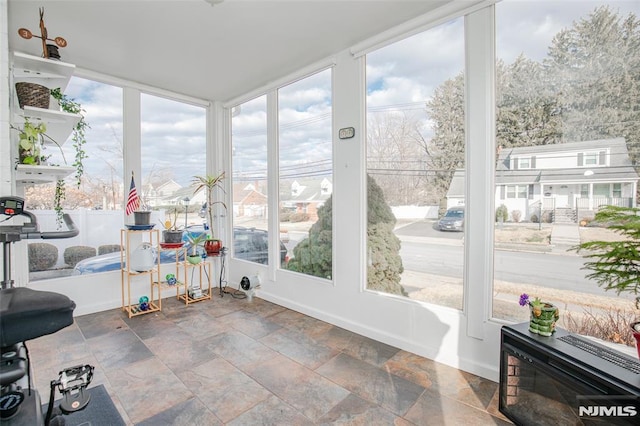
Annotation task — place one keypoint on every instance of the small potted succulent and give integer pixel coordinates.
(195, 240)
(543, 316)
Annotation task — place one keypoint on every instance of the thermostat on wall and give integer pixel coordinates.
(346, 133)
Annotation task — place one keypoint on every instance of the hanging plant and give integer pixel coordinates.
(58, 198)
(79, 131)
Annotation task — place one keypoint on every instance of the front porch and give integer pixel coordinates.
(583, 208)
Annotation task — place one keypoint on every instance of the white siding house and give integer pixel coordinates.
(560, 182)
(565, 181)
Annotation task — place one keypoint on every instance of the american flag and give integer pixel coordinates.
(133, 202)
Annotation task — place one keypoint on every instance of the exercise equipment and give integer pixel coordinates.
(26, 314)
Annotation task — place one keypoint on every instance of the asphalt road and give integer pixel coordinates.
(543, 269)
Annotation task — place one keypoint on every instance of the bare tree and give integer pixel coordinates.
(394, 156)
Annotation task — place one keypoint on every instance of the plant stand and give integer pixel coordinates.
(135, 307)
(193, 291)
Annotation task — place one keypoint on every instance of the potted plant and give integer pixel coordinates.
(30, 152)
(137, 205)
(543, 315)
(210, 183)
(30, 143)
(172, 233)
(615, 265)
(196, 240)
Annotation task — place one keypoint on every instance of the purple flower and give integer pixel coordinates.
(524, 299)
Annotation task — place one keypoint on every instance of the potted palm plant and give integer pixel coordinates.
(615, 265)
(210, 183)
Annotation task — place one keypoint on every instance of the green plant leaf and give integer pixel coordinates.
(26, 144)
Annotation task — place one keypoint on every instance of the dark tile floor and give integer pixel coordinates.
(239, 362)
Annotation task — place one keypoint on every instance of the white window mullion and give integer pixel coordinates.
(273, 182)
(480, 165)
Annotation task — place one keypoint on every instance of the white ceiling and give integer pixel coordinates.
(209, 52)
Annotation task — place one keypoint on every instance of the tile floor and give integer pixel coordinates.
(231, 361)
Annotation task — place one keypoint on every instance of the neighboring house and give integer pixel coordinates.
(306, 196)
(184, 196)
(455, 194)
(559, 182)
(163, 193)
(249, 200)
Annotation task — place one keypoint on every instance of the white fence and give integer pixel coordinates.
(97, 227)
(102, 227)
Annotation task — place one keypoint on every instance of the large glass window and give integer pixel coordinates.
(250, 196)
(306, 183)
(415, 166)
(94, 200)
(564, 85)
(173, 152)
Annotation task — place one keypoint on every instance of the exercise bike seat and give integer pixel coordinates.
(26, 314)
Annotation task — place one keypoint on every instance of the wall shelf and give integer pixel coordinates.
(59, 123)
(47, 72)
(27, 174)
(52, 74)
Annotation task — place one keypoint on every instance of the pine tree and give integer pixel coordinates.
(313, 254)
(588, 88)
(527, 109)
(383, 247)
(446, 147)
(594, 67)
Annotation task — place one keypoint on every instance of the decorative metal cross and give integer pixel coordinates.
(26, 34)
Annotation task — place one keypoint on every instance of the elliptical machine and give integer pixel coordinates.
(26, 314)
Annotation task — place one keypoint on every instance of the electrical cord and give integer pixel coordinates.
(235, 293)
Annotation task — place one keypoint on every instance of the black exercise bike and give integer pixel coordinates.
(26, 314)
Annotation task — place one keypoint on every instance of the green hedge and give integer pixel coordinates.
(75, 254)
(42, 256)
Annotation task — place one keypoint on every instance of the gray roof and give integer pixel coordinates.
(311, 191)
(619, 169)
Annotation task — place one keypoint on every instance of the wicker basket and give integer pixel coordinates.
(31, 94)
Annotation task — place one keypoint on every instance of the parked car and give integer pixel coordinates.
(453, 220)
(248, 244)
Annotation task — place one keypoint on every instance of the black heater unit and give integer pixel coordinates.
(566, 379)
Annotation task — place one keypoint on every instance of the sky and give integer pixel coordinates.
(400, 77)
